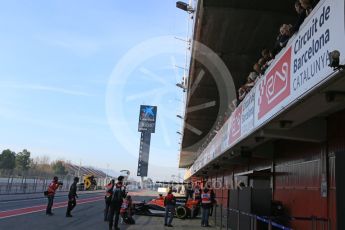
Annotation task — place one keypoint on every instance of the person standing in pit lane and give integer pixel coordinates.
(119, 193)
(169, 203)
(207, 201)
(53, 186)
(108, 194)
(72, 197)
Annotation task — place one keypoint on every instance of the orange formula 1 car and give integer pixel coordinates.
(184, 207)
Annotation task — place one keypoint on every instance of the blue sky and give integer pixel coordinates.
(58, 67)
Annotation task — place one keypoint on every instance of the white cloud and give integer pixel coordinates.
(19, 115)
(80, 45)
(38, 87)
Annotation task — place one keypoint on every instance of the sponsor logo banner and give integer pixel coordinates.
(225, 136)
(235, 124)
(247, 122)
(312, 45)
(275, 85)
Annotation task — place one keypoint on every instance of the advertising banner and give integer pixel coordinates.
(274, 88)
(210, 152)
(322, 34)
(225, 136)
(235, 125)
(247, 122)
(303, 64)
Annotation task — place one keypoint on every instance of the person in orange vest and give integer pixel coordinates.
(53, 186)
(207, 201)
(108, 193)
(169, 203)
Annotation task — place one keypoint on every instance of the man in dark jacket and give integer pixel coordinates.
(72, 195)
(119, 193)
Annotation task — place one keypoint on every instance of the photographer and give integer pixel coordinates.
(107, 198)
(53, 186)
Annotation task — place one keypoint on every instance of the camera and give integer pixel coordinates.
(60, 183)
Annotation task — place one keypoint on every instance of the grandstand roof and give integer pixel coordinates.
(75, 170)
(237, 31)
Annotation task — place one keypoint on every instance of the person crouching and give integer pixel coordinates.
(126, 211)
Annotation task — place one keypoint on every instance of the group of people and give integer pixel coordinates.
(117, 204)
(72, 195)
(205, 196)
(303, 9)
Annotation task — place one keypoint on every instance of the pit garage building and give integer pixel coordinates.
(286, 140)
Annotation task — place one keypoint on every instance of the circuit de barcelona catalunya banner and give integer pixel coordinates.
(304, 63)
(298, 69)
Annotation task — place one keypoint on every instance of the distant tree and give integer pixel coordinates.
(42, 160)
(23, 161)
(59, 168)
(7, 160)
(40, 166)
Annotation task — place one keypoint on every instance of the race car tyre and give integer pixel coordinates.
(181, 212)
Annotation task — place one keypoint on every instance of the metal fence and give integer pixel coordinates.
(232, 219)
(315, 223)
(22, 185)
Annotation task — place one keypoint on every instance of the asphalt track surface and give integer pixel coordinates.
(30, 213)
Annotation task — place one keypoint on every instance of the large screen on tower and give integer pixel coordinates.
(147, 118)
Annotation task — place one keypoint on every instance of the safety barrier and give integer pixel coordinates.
(25, 185)
(254, 219)
(22, 185)
(314, 222)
